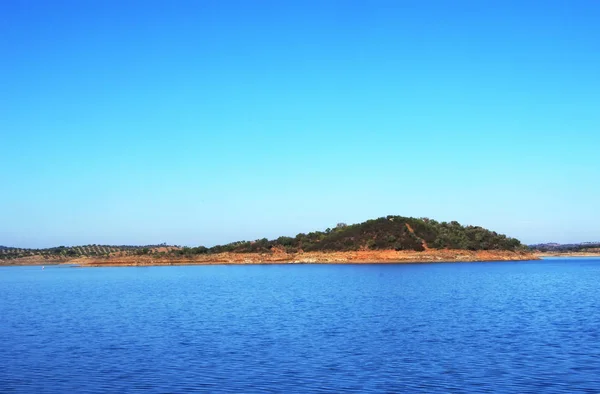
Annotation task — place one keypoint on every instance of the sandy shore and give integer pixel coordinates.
(567, 254)
(357, 257)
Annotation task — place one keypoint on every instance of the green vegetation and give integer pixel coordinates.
(583, 247)
(61, 252)
(391, 232)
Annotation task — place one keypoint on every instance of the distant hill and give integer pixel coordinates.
(385, 233)
(59, 252)
(575, 247)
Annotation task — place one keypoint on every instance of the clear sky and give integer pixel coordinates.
(203, 122)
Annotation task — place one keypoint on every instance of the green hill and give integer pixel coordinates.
(386, 233)
(391, 232)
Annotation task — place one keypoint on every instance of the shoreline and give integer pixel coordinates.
(568, 254)
(350, 257)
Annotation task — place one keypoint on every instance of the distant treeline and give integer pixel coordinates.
(579, 247)
(386, 233)
(74, 251)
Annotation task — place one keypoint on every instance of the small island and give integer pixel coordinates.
(391, 239)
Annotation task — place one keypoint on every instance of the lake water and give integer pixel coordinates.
(471, 327)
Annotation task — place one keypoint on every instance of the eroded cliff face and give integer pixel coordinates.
(355, 257)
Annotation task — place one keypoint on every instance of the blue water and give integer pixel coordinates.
(475, 327)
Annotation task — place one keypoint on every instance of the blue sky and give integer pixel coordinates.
(203, 122)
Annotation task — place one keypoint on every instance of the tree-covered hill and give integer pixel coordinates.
(386, 233)
(391, 232)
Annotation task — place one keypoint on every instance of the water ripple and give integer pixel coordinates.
(461, 328)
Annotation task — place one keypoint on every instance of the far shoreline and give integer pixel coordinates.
(350, 257)
(565, 255)
(187, 263)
